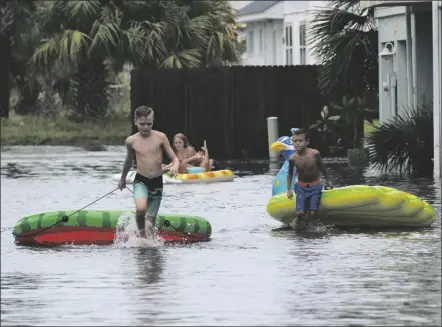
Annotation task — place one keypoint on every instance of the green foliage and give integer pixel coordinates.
(327, 124)
(345, 121)
(344, 38)
(76, 48)
(147, 33)
(352, 113)
(404, 143)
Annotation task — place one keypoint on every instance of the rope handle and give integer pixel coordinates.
(65, 218)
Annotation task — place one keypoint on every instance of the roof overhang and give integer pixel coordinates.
(388, 3)
(275, 12)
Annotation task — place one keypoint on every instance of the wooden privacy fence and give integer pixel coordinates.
(229, 106)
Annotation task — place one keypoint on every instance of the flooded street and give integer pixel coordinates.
(248, 274)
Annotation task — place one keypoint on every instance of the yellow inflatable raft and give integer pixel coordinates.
(351, 206)
(361, 206)
(204, 177)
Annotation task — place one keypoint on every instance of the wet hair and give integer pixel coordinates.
(301, 131)
(183, 138)
(143, 111)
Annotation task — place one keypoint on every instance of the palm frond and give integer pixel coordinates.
(105, 39)
(82, 13)
(72, 43)
(184, 59)
(404, 143)
(344, 38)
(50, 15)
(64, 48)
(46, 54)
(132, 46)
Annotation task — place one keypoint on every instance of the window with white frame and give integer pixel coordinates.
(289, 44)
(302, 44)
(260, 41)
(250, 42)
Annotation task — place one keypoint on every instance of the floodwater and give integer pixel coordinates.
(248, 274)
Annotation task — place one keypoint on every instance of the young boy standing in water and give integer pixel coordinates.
(308, 188)
(148, 146)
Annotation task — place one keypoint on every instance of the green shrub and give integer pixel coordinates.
(404, 143)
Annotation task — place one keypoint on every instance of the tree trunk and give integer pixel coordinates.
(91, 98)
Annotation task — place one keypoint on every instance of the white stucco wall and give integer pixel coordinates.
(416, 84)
(426, 64)
(264, 43)
(391, 29)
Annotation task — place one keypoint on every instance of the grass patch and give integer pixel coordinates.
(368, 128)
(33, 130)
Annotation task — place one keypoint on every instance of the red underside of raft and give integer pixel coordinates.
(94, 236)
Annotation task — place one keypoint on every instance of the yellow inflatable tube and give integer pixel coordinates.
(361, 206)
(204, 177)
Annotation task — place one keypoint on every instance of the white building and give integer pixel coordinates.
(410, 56)
(276, 32)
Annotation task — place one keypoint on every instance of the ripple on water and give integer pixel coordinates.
(250, 273)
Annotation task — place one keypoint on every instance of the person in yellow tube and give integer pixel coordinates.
(308, 187)
(191, 162)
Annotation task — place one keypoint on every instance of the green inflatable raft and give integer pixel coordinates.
(100, 226)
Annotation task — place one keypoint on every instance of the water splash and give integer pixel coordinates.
(126, 234)
(304, 226)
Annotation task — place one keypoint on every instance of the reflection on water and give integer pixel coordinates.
(150, 264)
(252, 272)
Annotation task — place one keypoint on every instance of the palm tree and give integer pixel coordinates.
(20, 36)
(344, 39)
(14, 20)
(211, 30)
(24, 80)
(186, 34)
(94, 37)
(83, 37)
(6, 30)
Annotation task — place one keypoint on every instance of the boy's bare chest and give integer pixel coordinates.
(305, 163)
(147, 146)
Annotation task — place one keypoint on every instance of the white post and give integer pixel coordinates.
(413, 59)
(272, 131)
(437, 101)
(410, 76)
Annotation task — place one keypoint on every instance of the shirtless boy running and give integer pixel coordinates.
(308, 188)
(148, 146)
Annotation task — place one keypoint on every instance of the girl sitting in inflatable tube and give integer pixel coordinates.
(184, 151)
(190, 161)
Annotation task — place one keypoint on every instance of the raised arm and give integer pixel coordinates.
(205, 161)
